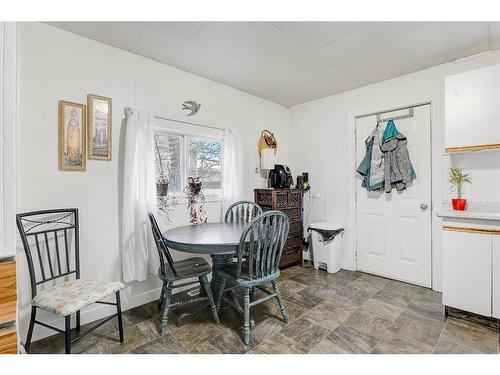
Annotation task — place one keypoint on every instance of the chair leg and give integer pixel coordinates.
(30, 329)
(162, 296)
(119, 316)
(280, 302)
(78, 321)
(252, 293)
(166, 306)
(246, 309)
(222, 286)
(206, 287)
(67, 334)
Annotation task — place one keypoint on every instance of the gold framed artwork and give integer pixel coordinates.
(98, 127)
(72, 136)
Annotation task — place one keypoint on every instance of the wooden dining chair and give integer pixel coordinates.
(51, 243)
(258, 258)
(171, 272)
(242, 212)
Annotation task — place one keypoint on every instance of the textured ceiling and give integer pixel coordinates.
(295, 62)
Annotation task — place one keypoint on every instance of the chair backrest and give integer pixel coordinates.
(242, 212)
(161, 246)
(47, 238)
(261, 245)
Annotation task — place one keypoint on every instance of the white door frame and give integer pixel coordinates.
(437, 137)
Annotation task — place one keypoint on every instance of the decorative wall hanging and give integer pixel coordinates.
(72, 136)
(99, 115)
(196, 200)
(191, 106)
(267, 149)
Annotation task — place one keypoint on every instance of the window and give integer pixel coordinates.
(179, 156)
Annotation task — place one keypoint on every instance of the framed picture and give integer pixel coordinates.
(99, 127)
(72, 136)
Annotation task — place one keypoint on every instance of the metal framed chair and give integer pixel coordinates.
(51, 243)
(258, 257)
(242, 211)
(171, 272)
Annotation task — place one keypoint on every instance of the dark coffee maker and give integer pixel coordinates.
(280, 177)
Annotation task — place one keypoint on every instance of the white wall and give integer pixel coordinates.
(322, 138)
(55, 65)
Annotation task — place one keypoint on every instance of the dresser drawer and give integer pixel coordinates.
(264, 197)
(290, 256)
(295, 241)
(8, 341)
(294, 214)
(8, 295)
(295, 229)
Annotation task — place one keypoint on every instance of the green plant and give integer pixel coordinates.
(457, 178)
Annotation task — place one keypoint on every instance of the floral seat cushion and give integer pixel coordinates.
(70, 296)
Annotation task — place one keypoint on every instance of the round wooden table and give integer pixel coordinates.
(219, 240)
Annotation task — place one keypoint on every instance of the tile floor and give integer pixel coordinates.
(347, 312)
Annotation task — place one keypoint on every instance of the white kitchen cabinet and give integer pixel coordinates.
(467, 271)
(472, 110)
(496, 277)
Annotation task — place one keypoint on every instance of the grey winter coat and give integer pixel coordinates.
(397, 166)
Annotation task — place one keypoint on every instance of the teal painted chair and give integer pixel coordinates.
(242, 212)
(171, 272)
(258, 258)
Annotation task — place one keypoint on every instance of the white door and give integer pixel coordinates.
(393, 231)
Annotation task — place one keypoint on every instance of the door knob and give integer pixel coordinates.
(423, 206)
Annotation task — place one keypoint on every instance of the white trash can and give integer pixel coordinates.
(326, 254)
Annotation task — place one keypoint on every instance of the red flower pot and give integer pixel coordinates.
(459, 204)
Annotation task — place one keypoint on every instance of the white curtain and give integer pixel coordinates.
(138, 252)
(233, 168)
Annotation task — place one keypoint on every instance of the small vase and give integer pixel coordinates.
(459, 204)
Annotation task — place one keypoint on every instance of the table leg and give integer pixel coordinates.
(218, 261)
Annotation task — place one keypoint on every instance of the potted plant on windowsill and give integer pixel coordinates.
(457, 178)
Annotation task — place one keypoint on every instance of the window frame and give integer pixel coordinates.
(212, 195)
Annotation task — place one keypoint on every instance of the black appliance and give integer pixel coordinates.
(280, 177)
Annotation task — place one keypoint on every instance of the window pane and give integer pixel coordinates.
(168, 148)
(204, 161)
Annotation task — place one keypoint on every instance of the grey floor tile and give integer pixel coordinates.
(470, 334)
(386, 310)
(279, 344)
(355, 295)
(161, 345)
(391, 298)
(369, 323)
(192, 334)
(345, 312)
(445, 346)
(305, 332)
(346, 340)
(231, 342)
(133, 316)
(133, 338)
(330, 313)
(392, 343)
(420, 330)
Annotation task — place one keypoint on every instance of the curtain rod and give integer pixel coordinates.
(188, 123)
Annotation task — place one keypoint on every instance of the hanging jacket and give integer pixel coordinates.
(377, 165)
(364, 168)
(398, 169)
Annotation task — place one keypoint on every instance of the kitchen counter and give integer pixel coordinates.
(475, 211)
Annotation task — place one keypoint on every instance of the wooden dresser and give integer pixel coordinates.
(288, 201)
(8, 302)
